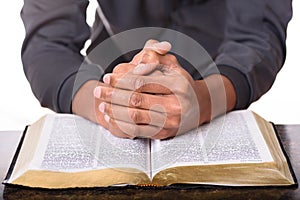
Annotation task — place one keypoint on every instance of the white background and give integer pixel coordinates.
(18, 106)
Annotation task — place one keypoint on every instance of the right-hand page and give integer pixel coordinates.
(232, 138)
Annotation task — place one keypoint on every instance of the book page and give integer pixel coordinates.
(28, 148)
(70, 143)
(232, 138)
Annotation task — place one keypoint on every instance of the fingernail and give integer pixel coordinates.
(97, 92)
(106, 78)
(102, 107)
(106, 118)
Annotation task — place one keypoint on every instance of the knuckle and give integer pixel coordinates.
(118, 68)
(176, 109)
(137, 58)
(136, 100)
(134, 116)
(106, 93)
(150, 56)
(138, 83)
(174, 122)
(171, 58)
(184, 87)
(122, 68)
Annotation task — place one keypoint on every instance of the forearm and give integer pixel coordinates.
(55, 33)
(253, 49)
(51, 79)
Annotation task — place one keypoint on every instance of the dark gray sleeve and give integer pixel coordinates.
(254, 47)
(56, 31)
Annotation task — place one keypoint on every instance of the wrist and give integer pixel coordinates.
(86, 105)
(216, 96)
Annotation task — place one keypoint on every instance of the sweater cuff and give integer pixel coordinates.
(240, 84)
(74, 82)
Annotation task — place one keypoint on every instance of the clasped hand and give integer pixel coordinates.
(151, 97)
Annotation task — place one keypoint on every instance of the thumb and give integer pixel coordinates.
(159, 47)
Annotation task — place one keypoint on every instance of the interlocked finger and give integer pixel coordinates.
(133, 115)
(132, 130)
(158, 84)
(158, 103)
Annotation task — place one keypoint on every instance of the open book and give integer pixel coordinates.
(66, 151)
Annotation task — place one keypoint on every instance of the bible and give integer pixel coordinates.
(67, 151)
